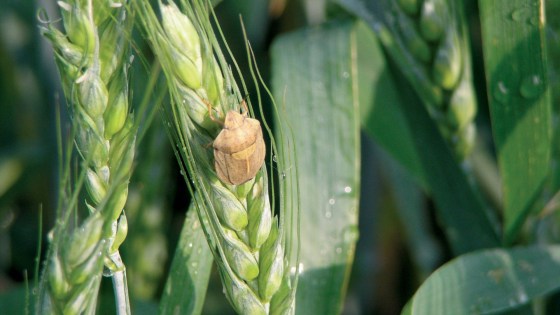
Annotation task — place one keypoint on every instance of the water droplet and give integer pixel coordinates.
(190, 245)
(332, 201)
(350, 234)
(328, 214)
(521, 15)
(299, 270)
(345, 74)
(274, 158)
(194, 264)
(501, 92)
(532, 86)
(522, 297)
(283, 175)
(107, 272)
(534, 21)
(347, 189)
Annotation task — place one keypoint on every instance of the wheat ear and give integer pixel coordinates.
(92, 58)
(237, 218)
(434, 33)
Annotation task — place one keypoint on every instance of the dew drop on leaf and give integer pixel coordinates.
(107, 272)
(522, 297)
(299, 270)
(534, 21)
(521, 15)
(531, 87)
(501, 92)
(350, 234)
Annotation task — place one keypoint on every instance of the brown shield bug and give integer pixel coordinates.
(239, 148)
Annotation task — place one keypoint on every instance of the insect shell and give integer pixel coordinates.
(239, 149)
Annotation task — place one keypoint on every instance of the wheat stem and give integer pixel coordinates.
(120, 285)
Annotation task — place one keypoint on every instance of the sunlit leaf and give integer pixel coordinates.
(488, 281)
(315, 77)
(517, 82)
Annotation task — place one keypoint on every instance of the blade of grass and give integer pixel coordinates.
(488, 281)
(515, 62)
(186, 285)
(315, 77)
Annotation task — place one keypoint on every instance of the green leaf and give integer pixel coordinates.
(488, 281)
(517, 81)
(186, 285)
(314, 75)
(553, 32)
